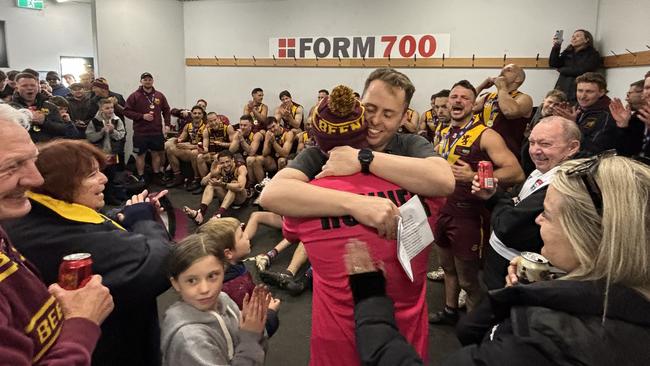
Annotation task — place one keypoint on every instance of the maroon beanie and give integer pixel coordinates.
(339, 120)
(100, 84)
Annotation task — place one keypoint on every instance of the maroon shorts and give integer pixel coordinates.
(464, 236)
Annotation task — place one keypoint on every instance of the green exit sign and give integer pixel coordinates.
(30, 4)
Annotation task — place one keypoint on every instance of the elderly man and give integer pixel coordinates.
(507, 110)
(38, 327)
(552, 141)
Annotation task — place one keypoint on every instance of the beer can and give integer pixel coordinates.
(533, 267)
(75, 270)
(485, 175)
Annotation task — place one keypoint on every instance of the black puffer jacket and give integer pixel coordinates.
(548, 323)
(571, 64)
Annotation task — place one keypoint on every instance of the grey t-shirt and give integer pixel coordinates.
(310, 161)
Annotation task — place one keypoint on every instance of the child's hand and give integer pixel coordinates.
(253, 315)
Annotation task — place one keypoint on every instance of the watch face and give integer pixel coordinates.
(365, 155)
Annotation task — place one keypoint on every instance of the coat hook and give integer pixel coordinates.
(504, 59)
(616, 56)
(537, 60)
(473, 57)
(443, 60)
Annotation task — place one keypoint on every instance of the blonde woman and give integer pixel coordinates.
(595, 226)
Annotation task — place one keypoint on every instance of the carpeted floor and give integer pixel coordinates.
(290, 345)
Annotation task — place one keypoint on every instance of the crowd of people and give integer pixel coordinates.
(571, 182)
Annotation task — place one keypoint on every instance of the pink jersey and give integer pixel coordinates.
(332, 335)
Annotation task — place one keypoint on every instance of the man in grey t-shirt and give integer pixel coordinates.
(408, 161)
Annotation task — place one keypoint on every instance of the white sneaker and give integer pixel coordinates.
(462, 299)
(262, 262)
(436, 275)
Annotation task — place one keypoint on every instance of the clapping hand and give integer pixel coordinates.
(621, 114)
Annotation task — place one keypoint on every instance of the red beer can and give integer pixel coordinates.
(75, 270)
(485, 175)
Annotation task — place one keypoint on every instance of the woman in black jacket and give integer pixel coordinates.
(579, 57)
(596, 227)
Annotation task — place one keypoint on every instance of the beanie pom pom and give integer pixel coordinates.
(342, 101)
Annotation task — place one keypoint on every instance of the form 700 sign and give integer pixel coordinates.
(378, 46)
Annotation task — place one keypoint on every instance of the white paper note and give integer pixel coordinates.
(413, 233)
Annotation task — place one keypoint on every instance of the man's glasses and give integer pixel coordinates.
(587, 171)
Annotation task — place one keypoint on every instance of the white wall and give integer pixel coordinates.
(485, 28)
(138, 36)
(37, 38)
(623, 24)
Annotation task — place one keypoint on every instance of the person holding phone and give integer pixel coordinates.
(579, 57)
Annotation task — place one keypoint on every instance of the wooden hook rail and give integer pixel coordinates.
(629, 59)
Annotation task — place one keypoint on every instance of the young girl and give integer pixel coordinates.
(207, 327)
(237, 283)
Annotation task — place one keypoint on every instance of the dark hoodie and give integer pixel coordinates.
(598, 128)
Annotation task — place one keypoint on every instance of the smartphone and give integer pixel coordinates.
(558, 35)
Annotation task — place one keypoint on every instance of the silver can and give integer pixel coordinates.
(533, 267)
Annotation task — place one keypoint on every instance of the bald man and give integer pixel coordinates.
(507, 111)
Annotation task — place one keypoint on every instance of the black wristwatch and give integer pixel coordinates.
(365, 158)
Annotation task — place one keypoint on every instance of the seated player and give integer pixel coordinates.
(248, 145)
(290, 113)
(278, 144)
(184, 116)
(227, 180)
(186, 148)
(256, 109)
(217, 136)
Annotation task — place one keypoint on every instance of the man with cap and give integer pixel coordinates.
(148, 108)
(58, 89)
(100, 91)
(339, 120)
(393, 157)
(79, 106)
